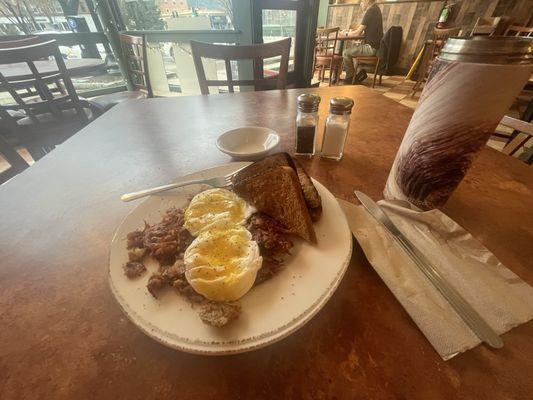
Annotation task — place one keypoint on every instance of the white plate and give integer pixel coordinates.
(270, 311)
(248, 142)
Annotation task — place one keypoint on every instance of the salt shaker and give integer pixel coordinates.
(336, 128)
(306, 124)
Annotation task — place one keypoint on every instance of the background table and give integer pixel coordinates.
(63, 336)
(75, 67)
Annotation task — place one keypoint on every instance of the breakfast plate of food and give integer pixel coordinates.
(226, 270)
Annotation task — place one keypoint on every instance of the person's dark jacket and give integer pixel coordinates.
(389, 49)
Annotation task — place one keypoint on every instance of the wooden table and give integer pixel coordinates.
(63, 336)
(75, 67)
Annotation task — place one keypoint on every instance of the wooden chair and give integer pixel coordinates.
(491, 26)
(485, 26)
(326, 56)
(440, 36)
(369, 60)
(134, 53)
(523, 132)
(433, 48)
(519, 31)
(51, 118)
(255, 52)
(386, 56)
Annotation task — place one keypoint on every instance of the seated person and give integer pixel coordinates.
(372, 26)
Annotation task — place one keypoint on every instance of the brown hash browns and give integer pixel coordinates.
(167, 240)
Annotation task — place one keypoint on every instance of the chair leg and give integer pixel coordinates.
(415, 88)
(18, 164)
(355, 73)
(330, 71)
(375, 74)
(380, 76)
(341, 67)
(36, 152)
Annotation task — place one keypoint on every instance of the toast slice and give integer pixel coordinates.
(272, 161)
(311, 196)
(277, 192)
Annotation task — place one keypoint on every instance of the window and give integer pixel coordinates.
(279, 24)
(170, 58)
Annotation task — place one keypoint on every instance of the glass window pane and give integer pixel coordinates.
(279, 24)
(50, 18)
(171, 67)
(176, 14)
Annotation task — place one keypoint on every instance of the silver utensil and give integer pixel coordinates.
(470, 316)
(218, 182)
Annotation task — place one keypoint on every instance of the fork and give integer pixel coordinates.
(218, 182)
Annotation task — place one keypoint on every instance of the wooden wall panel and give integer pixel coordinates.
(417, 18)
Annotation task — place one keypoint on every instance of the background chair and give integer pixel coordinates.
(255, 52)
(386, 56)
(11, 44)
(50, 117)
(523, 132)
(362, 61)
(134, 53)
(326, 56)
(440, 36)
(491, 26)
(519, 31)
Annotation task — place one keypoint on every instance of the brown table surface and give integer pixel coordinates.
(63, 336)
(75, 67)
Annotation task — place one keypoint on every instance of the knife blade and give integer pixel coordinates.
(467, 313)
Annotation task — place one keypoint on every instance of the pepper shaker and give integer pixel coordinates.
(306, 124)
(336, 128)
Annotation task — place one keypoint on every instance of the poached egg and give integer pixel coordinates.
(214, 206)
(222, 262)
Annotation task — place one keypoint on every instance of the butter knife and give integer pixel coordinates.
(470, 316)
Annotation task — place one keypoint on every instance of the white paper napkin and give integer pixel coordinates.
(498, 295)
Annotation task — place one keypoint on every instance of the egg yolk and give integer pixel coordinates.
(222, 252)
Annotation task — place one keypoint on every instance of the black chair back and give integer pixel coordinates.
(49, 109)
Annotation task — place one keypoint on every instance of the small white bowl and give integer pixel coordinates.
(248, 142)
